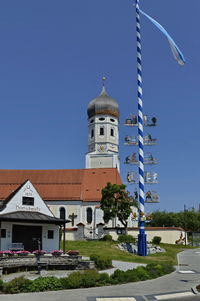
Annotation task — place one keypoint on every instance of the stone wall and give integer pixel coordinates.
(64, 262)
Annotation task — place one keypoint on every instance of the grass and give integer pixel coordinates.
(105, 248)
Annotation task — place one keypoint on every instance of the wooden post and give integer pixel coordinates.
(64, 238)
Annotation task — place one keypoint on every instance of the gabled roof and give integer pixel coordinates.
(63, 184)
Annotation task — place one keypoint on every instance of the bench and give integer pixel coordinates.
(16, 246)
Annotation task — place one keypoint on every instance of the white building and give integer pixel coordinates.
(103, 132)
(26, 221)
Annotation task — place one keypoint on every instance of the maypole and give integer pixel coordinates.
(142, 242)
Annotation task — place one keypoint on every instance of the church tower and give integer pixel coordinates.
(103, 133)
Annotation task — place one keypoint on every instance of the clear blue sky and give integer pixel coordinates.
(52, 57)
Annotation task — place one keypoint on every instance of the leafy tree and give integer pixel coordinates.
(188, 220)
(116, 202)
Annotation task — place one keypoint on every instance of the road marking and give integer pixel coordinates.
(176, 295)
(187, 272)
(116, 299)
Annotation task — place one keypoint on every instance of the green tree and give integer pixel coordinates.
(116, 202)
(188, 220)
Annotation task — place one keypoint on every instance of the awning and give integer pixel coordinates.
(32, 217)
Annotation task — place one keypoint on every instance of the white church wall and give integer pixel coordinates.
(70, 208)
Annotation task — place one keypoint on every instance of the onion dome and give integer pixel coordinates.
(103, 105)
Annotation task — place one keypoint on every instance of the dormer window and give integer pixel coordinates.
(101, 132)
(29, 201)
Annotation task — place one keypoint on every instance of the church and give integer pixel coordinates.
(40, 200)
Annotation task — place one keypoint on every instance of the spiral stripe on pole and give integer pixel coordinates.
(142, 248)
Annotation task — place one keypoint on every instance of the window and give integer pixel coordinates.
(3, 233)
(112, 120)
(101, 119)
(62, 213)
(112, 132)
(92, 133)
(89, 215)
(50, 234)
(101, 132)
(91, 121)
(26, 200)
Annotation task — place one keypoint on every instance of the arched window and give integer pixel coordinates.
(62, 213)
(112, 132)
(101, 132)
(92, 133)
(89, 215)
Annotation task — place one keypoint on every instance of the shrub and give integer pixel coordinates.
(156, 240)
(123, 238)
(74, 280)
(154, 270)
(104, 279)
(107, 237)
(101, 262)
(142, 273)
(45, 284)
(17, 285)
(119, 276)
(90, 278)
(1, 285)
(132, 275)
(167, 268)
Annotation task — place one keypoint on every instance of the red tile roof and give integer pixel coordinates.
(63, 184)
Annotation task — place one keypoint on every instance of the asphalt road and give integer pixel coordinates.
(181, 281)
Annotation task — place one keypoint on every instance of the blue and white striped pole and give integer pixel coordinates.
(142, 242)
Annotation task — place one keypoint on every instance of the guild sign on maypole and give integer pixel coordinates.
(142, 243)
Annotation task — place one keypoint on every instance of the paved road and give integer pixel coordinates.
(186, 276)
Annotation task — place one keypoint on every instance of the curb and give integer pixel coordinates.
(195, 291)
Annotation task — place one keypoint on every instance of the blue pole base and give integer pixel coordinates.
(142, 245)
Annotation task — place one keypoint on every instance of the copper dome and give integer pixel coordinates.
(103, 105)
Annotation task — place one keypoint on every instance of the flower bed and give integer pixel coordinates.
(57, 252)
(73, 253)
(39, 252)
(22, 253)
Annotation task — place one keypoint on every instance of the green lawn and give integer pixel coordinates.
(86, 248)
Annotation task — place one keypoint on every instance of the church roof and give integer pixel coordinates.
(103, 105)
(62, 184)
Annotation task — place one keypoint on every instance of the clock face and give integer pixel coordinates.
(101, 148)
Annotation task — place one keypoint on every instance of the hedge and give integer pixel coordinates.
(85, 279)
